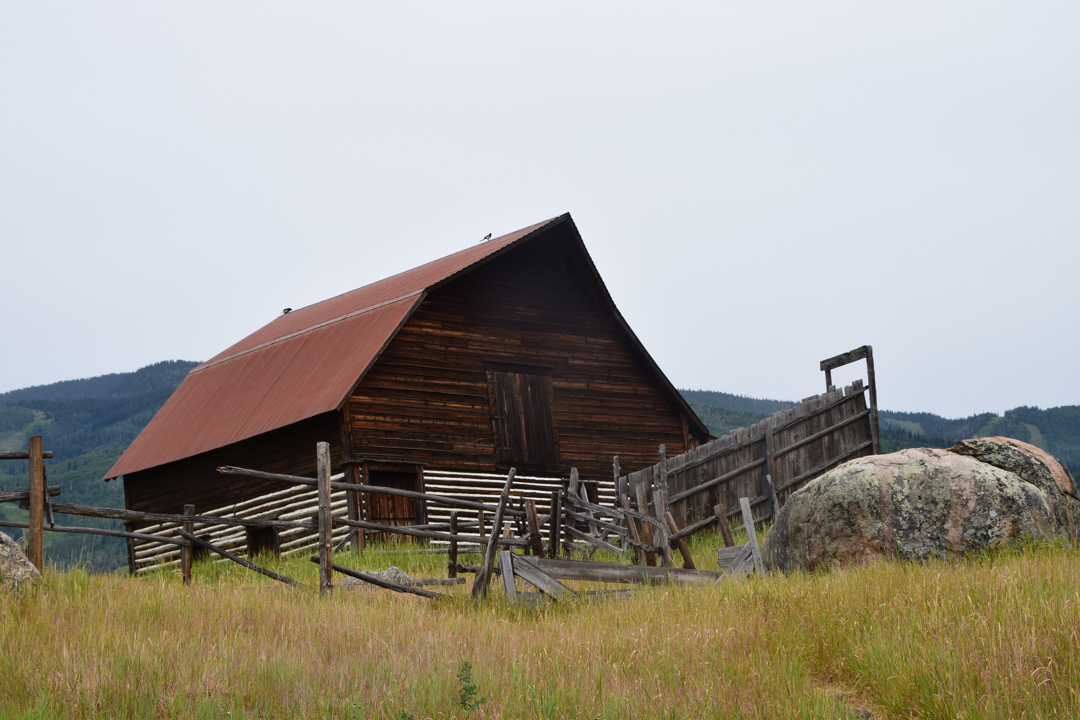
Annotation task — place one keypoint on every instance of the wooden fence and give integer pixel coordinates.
(791, 446)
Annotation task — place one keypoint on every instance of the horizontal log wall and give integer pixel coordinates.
(427, 397)
(301, 503)
(807, 440)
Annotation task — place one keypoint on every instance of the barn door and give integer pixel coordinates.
(522, 418)
(392, 509)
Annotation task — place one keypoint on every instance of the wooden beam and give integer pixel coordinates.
(725, 527)
(17, 495)
(326, 523)
(187, 553)
(451, 560)
(715, 481)
(646, 528)
(614, 572)
(23, 455)
(117, 514)
(772, 496)
(536, 542)
(751, 534)
(237, 559)
(555, 524)
(97, 531)
(379, 582)
(35, 547)
(688, 562)
(505, 563)
(480, 584)
(533, 575)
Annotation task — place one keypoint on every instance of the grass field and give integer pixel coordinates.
(992, 637)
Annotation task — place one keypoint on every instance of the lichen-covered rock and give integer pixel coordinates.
(16, 570)
(922, 503)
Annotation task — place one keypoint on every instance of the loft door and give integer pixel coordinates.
(522, 418)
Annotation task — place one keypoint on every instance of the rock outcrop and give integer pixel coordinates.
(923, 503)
(16, 570)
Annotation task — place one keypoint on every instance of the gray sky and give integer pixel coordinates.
(761, 185)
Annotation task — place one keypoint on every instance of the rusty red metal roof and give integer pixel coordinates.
(300, 365)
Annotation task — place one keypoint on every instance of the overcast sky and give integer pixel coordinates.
(761, 185)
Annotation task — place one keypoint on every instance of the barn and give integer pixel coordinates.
(509, 353)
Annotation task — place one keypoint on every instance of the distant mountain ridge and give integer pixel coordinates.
(87, 424)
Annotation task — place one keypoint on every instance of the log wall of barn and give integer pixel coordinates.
(427, 397)
(289, 450)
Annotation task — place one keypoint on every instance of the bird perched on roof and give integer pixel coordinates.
(286, 311)
(486, 237)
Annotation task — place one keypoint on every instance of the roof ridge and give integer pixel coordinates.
(324, 323)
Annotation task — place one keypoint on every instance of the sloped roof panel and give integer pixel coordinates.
(283, 382)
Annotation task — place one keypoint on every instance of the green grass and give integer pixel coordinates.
(991, 637)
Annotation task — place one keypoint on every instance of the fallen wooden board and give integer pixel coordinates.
(533, 575)
(614, 572)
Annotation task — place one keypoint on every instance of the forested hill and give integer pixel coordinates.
(1056, 430)
(87, 424)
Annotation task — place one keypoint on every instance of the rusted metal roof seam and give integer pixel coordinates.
(323, 324)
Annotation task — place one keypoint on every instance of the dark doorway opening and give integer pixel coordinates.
(394, 510)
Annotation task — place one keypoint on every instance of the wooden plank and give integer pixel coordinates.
(451, 561)
(716, 480)
(326, 573)
(536, 541)
(533, 575)
(838, 361)
(555, 524)
(827, 466)
(23, 455)
(480, 584)
(772, 496)
(593, 521)
(592, 540)
(660, 509)
(741, 563)
(379, 582)
(98, 531)
(728, 556)
(725, 527)
(411, 531)
(693, 529)
(186, 553)
(631, 528)
(236, 559)
(615, 572)
(688, 562)
(17, 495)
(822, 433)
(35, 547)
(646, 528)
(117, 514)
(505, 566)
(751, 534)
(872, 382)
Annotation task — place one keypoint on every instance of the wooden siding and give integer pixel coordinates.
(195, 480)
(427, 397)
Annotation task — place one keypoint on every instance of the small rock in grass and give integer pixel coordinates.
(391, 574)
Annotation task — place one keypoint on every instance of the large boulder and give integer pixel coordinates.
(16, 570)
(922, 503)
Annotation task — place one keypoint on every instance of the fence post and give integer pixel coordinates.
(187, 552)
(451, 563)
(554, 525)
(36, 543)
(322, 451)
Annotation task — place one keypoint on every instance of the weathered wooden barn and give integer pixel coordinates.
(509, 353)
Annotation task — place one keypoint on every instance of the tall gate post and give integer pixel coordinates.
(36, 545)
(322, 451)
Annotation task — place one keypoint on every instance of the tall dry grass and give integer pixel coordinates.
(993, 637)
